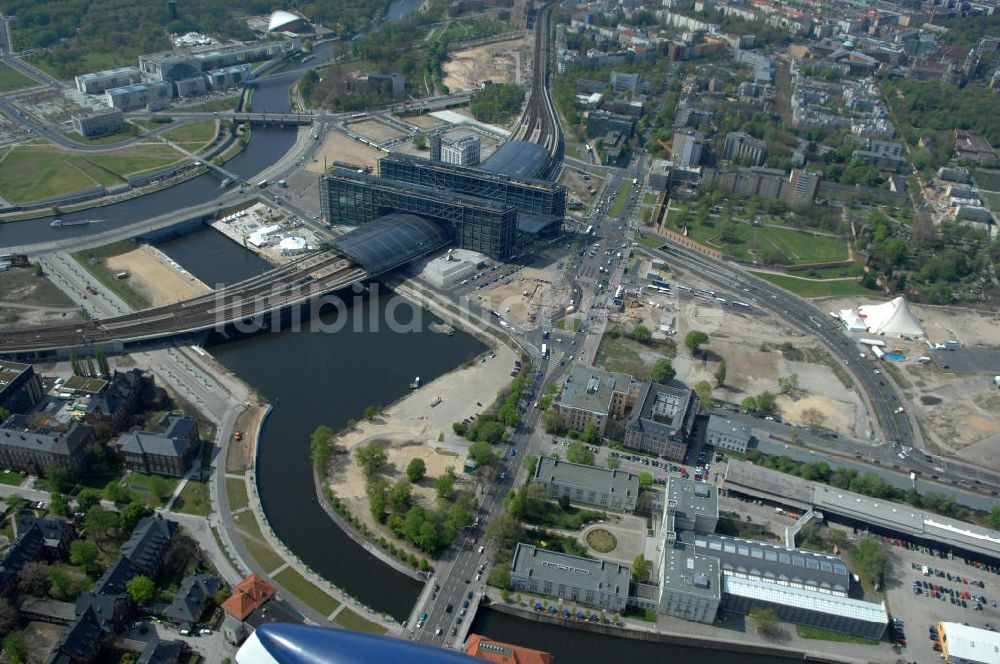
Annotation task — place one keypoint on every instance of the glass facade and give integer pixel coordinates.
(479, 225)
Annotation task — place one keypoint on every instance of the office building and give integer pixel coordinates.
(190, 87)
(176, 66)
(167, 450)
(97, 82)
(140, 95)
(614, 149)
(588, 485)
(593, 396)
(690, 586)
(597, 583)
(228, 77)
(744, 149)
(724, 434)
(20, 387)
(98, 124)
(601, 123)
(36, 450)
(690, 505)
(963, 644)
(803, 186)
(463, 152)
(661, 420)
(632, 84)
(687, 148)
(479, 224)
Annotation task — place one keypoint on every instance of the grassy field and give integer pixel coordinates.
(33, 172)
(571, 324)
(199, 132)
(649, 199)
(20, 285)
(651, 241)
(194, 499)
(832, 272)
(222, 104)
(350, 620)
(807, 632)
(620, 199)
(11, 79)
(822, 288)
(140, 486)
(624, 355)
(11, 478)
(992, 199)
(93, 261)
(987, 179)
(302, 588)
(254, 540)
(237, 492)
(800, 248)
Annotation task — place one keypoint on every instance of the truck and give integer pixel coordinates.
(545, 350)
(873, 342)
(878, 352)
(262, 184)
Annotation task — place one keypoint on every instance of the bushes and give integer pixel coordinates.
(497, 103)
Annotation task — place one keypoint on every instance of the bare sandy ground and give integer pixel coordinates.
(338, 147)
(413, 428)
(510, 301)
(151, 274)
(375, 130)
(499, 62)
(423, 121)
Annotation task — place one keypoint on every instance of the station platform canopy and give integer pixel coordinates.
(518, 159)
(393, 240)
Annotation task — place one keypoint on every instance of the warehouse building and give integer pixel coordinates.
(596, 583)
(589, 485)
(962, 644)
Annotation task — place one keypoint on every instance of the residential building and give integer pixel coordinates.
(57, 534)
(803, 185)
(26, 548)
(97, 82)
(38, 449)
(80, 643)
(593, 396)
(589, 485)
(147, 547)
(98, 124)
(463, 152)
(109, 600)
(744, 149)
(119, 400)
(598, 583)
(163, 652)
(600, 123)
(167, 450)
(190, 600)
(254, 602)
(974, 147)
(661, 420)
(504, 653)
(722, 433)
(687, 148)
(20, 387)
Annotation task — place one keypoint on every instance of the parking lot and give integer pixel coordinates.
(921, 600)
(968, 360)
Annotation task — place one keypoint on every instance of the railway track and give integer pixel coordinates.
(539, 123)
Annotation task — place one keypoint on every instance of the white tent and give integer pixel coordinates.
(851, 320)
(892, 319)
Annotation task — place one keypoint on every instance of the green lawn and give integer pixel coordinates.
(254, 541)
(140, 485)
(992, 199)
(805, 248)
(650, 199)
(32, 172)
(987, 179)
(11, 478)
(571, 324)
(831, 272)
(199, 132)
(821, 288)
(11, 79)
(807, 632)
(651, 241)
(302, 588)
(237, 492)
(93, 261)
(194, 499)
(223, 104)
(624, 355)
(619, 203)
(21, 285)
(350, 620)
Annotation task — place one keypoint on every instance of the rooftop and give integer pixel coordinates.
(590, 389)
(11, 370)
(690, 572)
(392, 240)
(85, 385)
(970, 644)
(726, 426)
(662, 408)
(693, 498)
(591, 478)
(484, 174)
(769, 591)
(504, 653)
(599, 575)
(518, 159)
(248, 595)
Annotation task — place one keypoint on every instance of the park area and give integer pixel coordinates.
(36, 171)
(11, 79)
(809, 287)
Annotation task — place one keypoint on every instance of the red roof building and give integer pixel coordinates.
(248, 596)
(504, 653)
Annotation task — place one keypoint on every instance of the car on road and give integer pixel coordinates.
(448, 608)
(437, 632)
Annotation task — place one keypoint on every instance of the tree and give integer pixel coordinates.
(445, 484)
(720, 374)
(420, 141)
(117, 493)
(34, 579)
(641, 568)
(378, 489)
(129, 517)
(614, 463)
(704, 391)
(766, 621)
(590, 435)
(564, 503)
(161, 487)
(871, 559)
(321, 447)
(482, 453)
(82, 553)
(60, 504)
(101, 524)
(645, 480)
(749, 404)
(399, 496)
(415, 470)
(530, 464)
(642, 334)
(141, 588)
(813, 417)
(663, 371)
(8, 616)
(16, 503)
(102, 363)
(370, 458)
(995, 516)
(15, 648)
(695, 339)
(371, 412)
(577, 453)
(552, 421)
(788, 384)
(58, 479)
(38, 269)
(766, 402)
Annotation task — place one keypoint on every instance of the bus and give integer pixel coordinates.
(545, 351)
(590, 230)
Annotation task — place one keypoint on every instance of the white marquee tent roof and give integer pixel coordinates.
(892, 319)
(281, 19)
